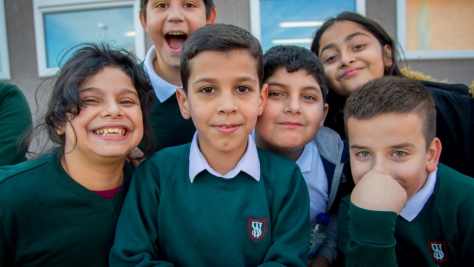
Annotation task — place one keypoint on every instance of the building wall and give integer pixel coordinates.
(22, 47)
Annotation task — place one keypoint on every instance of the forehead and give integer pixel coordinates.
(338, 32)
(386, 130)
(218, 63)
(148, 2)
(108, 78)
(293, 80)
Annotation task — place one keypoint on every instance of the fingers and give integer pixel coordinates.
(379, 191)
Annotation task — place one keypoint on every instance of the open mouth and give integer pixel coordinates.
(175, 40)
(111, 132)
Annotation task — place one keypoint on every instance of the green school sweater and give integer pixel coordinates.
(441, 235)
(168, 221)
(170, 128)
(15, 118)
(47, 219)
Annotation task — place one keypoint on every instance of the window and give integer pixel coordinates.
(295, 22)
(435, 29)
(59, 25)
(4, 61)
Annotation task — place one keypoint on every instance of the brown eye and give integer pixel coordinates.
(207, 90)
(242, 89)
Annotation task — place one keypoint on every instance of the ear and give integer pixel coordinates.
(60, 130)
(433, 153)
(183, 103)
(262, 99)
(142, 21)
(212, 16)
(387, 56)
(325, 113)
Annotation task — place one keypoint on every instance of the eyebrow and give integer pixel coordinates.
(286, 87)
(348, 37)
(98, 90)
(401, 145)
(214, 80)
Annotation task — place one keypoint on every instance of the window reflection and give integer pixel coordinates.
(65, 29)
(295, 21)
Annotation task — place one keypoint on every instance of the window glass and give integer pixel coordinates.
(296, 21)
(64, 29)
(4, 60)
(60, 25)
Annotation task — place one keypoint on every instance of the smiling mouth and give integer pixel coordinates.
(350, 73)
(175, 40)
(111, 132)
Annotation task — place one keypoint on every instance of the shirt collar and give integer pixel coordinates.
(249, 163)
(416, 203)
(163, 89)
(306, 158)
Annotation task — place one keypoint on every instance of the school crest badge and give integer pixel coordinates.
(438, 250)
(257, 228)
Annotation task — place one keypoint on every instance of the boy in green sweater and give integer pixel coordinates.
(218, 201)
(406, 209)
(168, 24)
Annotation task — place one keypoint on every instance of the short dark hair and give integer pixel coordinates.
(209, 6)
(83, 62)
(371, 26)
(294, 58)
(393, 95)
(222, 38)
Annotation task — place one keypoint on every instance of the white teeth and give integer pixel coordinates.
(110, 131)
(176, 33)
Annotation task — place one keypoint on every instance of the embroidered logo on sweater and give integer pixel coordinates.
(257, 228)
(438, 250)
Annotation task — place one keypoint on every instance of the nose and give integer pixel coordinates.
(347, 58)
(112, 109)
(175, 13)
(380, 165)
(227, 103)
(292, 105)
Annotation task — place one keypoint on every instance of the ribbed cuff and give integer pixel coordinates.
(374, 227)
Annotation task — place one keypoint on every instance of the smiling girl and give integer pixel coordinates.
(355, 50)
(61, 208)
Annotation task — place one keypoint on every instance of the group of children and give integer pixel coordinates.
(244, 162)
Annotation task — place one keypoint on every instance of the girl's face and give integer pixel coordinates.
(351, 56)
(110, 125)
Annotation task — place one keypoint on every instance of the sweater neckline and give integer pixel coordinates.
(92, 198)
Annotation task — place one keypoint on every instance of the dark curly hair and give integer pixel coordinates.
(82, 62)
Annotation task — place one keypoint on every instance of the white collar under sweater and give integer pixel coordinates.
(416, 203)
(163, 89)
(249, 163)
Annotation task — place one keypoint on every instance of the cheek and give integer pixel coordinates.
(412, 178)
(330, 73)
(358, 169)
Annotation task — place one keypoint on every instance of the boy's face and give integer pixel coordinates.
(223, 100)
(393, 144)
(294, 112)
(169, 23)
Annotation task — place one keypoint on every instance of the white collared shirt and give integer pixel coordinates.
(249, 163)
(312, 168)
(163, 89)
(416, 203)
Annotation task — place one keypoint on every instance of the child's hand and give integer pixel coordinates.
(135, 153)
(379, 191)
